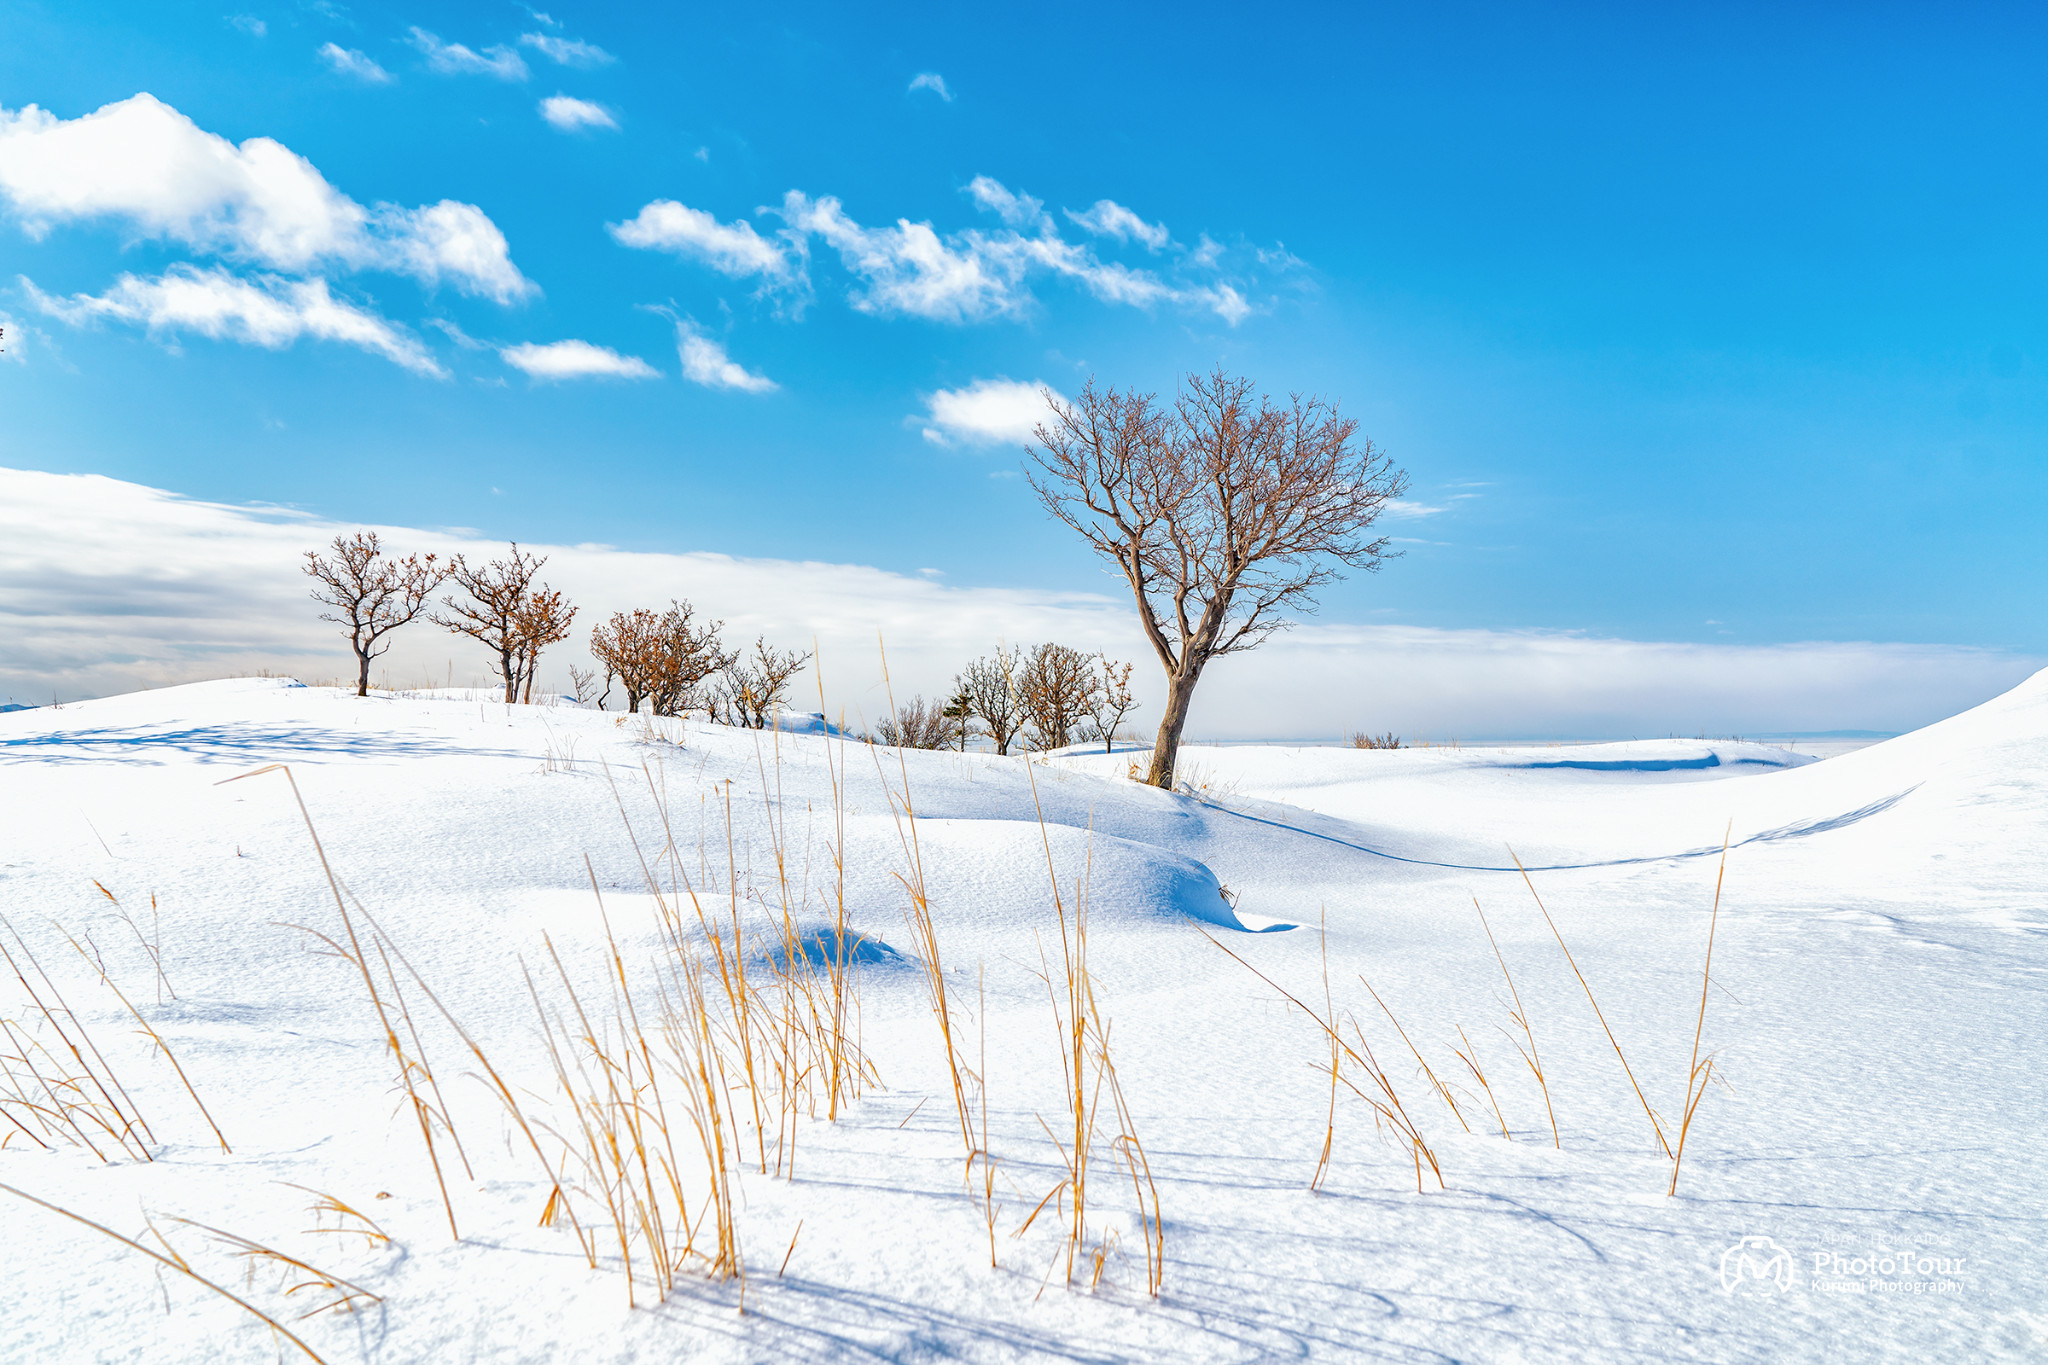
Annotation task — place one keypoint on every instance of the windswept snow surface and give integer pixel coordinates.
(1877, 1016)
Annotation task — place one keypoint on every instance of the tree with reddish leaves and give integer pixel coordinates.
(372, 593)
(503, 609)
(1224, 512)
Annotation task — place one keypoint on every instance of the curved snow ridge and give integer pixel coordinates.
(1797, 829)
(973, 866)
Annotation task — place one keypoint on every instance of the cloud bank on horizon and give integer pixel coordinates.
(109, 586)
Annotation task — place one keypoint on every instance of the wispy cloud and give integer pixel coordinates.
(454, 59)
(1107, 218)
(705, 362)
(575, 360)
(249, 24)
(142, 162)
(911, 269)
(932, 81)
(267, 311)
(986, 412)
(347, 61)
(1408, 507)
(567, 51)
(570, 115)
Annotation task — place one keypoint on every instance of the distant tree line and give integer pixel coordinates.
(1047, 698)
(1224, 510)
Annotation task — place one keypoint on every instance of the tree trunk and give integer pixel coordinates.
(362, 674)
(1180, 690)
(510, 671)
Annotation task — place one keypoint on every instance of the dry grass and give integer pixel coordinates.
(152, 943)
(1089, 1073)
(1526, 1045)
(94, 960)
(172, 1259)
(1385, 1101)
(1656, 1125)
(333, 1293)
(60, 1081)
(1701, 1070)
(412, 1067)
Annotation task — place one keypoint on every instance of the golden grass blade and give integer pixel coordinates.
(176, 1263)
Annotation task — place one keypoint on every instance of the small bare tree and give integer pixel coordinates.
(1113, 700)
(542, 620)
(1224, 512)
(753, 688)
(372, 593)
(583, 681)
(990, 686)
(918, 724)
(1057, 692)
(491, 616)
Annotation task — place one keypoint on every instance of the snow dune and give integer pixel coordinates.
(1882, 940)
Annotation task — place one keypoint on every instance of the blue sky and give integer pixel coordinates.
(1718, 325)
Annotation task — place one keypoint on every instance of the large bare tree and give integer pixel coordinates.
(495, 610)
(372, 593)
(1225, 512)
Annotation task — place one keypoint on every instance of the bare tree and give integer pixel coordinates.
(584, 683)
(1224, 512)
(373, 593)
(1113, 700)
(542, 620)
(990, 686)
(491, 615)
(918, 724)
(753, 687)
(1057, 692)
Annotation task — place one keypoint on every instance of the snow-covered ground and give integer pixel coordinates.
(1879, 972)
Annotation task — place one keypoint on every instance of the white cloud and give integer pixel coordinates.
(910, 268)
(453, 59)
(932, 81)
(986, 412)
(142, 161)
(268, 311)
(249, 24)
(347, 61)
(1111, 219)
(109, 586)
(1408, 507)
(576, 360)
(733, 249)
(572, 115)
(705, 362)
(1224, 302)
(567, 51)
(1018, 210)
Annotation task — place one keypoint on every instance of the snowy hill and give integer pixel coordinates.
(1874, 1015)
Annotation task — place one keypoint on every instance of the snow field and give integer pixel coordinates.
(1874, 1014)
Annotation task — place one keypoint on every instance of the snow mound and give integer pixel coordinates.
(999, 875)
